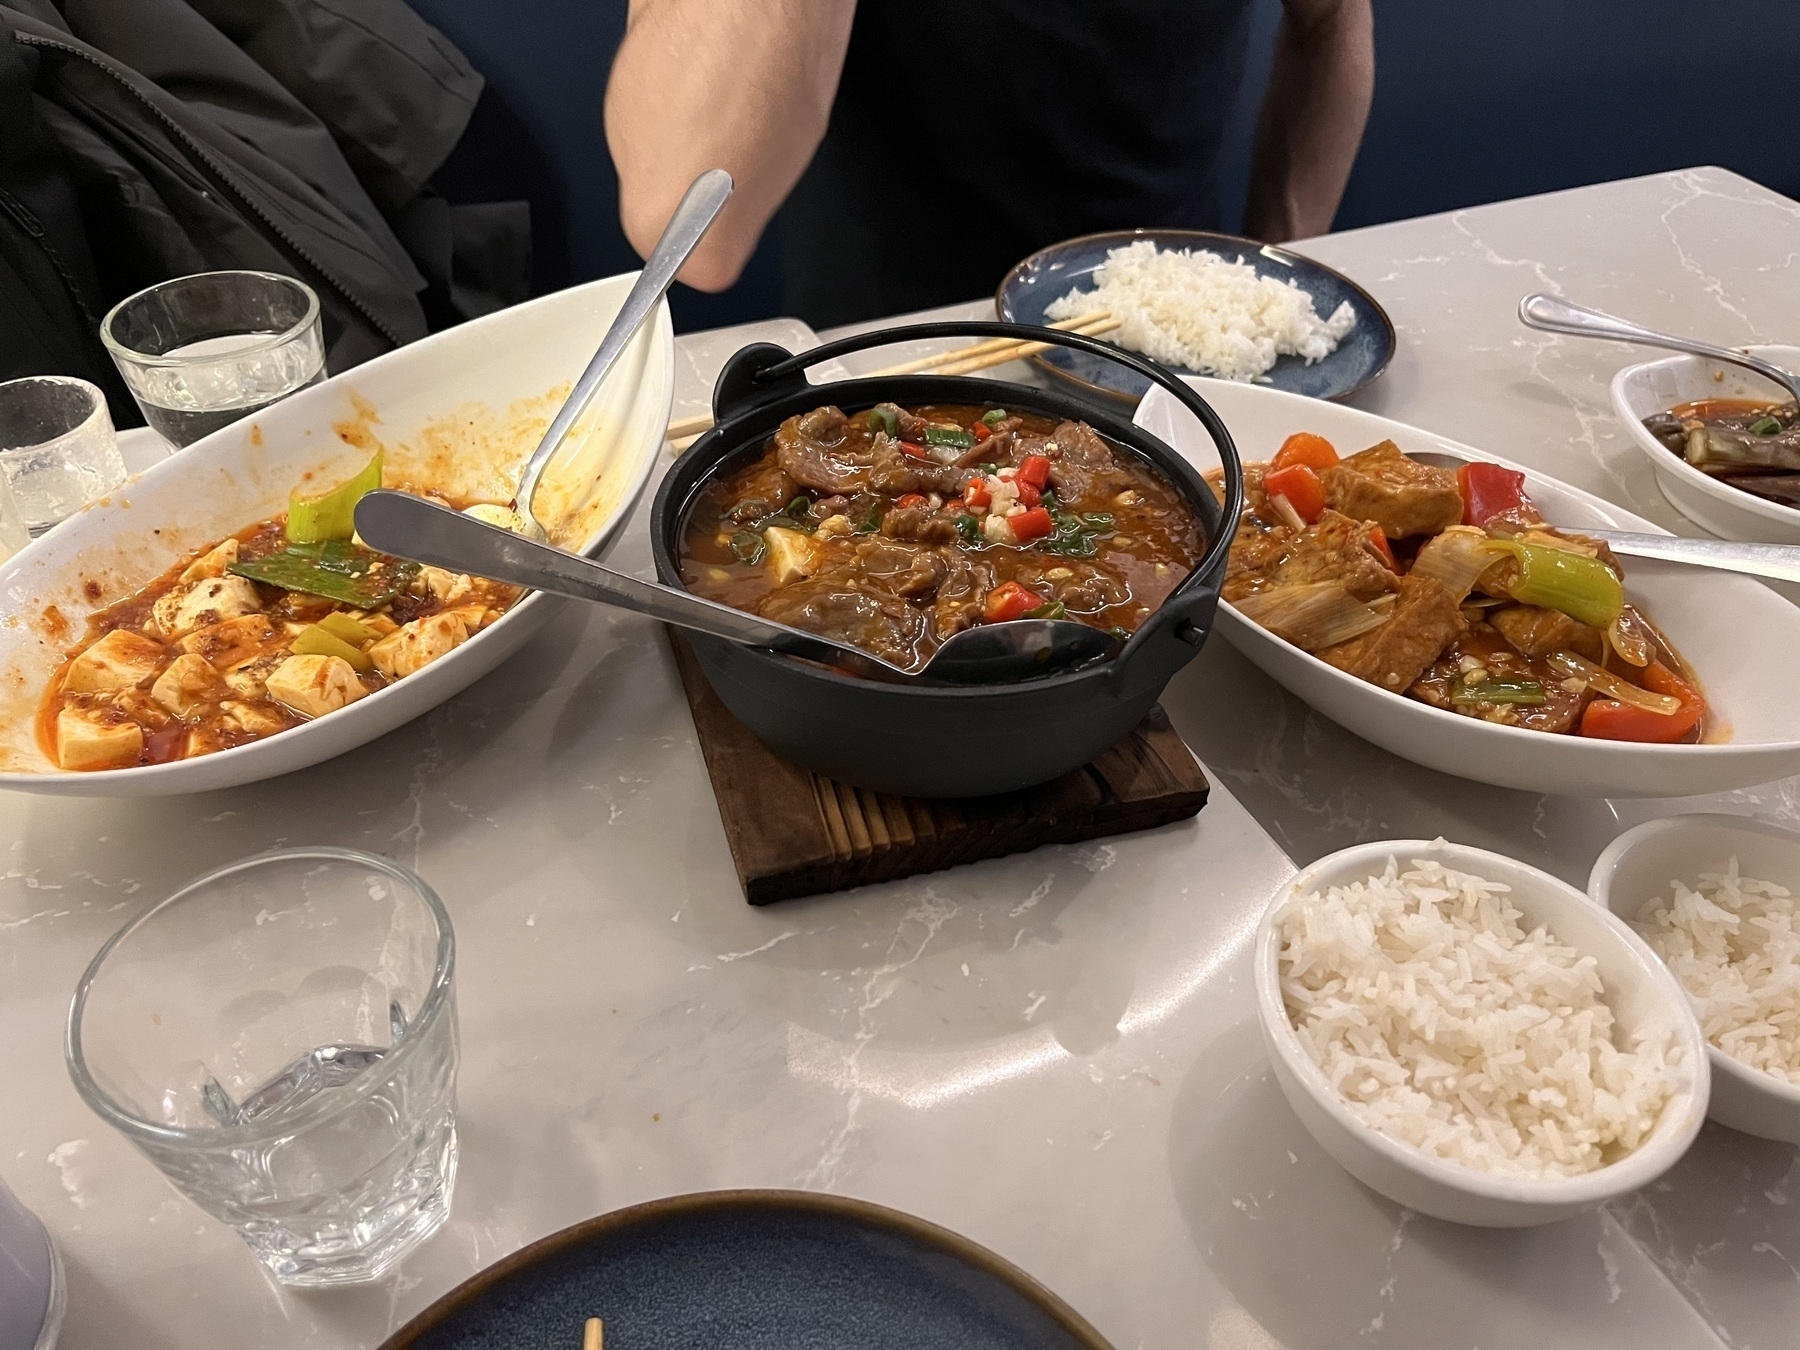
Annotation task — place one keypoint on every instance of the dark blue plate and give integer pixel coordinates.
(1048, 275)
(752, 1270)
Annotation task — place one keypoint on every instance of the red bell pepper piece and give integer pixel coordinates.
(1032, 524)
(1008, 601)
(1315, 452)
(1489, 491)
(1608, 720)
(1033, 470)
(1302, 488)
(1378, 537)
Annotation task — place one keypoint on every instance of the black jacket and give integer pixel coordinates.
(145, 139)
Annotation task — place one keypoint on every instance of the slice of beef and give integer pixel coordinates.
(1425, 621)
(919, 524)
(1399, 494)
(1535, 631)
(911, 571)
(960, 594)
(1082, 466)
(838, 606)
(820, 450)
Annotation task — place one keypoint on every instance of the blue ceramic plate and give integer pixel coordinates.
(1048, 275)
(752, 1270)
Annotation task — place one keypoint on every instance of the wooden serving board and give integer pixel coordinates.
(793, 832)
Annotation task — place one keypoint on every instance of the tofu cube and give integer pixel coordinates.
(189, 682)
(120, 660)
(793, 554)
(315, 685)
(252, 720)
(232, 642)
(212, 563)
(250, 678)
(415, 645)
(85, 741)
(445, 585)
(200, 603)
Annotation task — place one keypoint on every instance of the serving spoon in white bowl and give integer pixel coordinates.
(699, 207)
(1551, 315)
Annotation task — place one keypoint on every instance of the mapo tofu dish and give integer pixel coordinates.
(1751, 445)
(1450, 588)
(894, 529)
(285, 621)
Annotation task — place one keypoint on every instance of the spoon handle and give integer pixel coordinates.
(1552, 315)
(411, 527)
(704, 199)
(1780, 562)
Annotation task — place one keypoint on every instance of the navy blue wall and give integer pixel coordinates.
(1474, 103)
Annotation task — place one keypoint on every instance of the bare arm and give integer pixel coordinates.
(742, 85)
(1313, 114)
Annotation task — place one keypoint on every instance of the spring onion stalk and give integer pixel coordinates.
(994, 416)
(316, 640)
(1665, 705)
(1519, 693)
(332, 515)
(1575, 584)
(1456, 559)
(882, 417)
(1765, 426)
(954, 437)
(1316, 614)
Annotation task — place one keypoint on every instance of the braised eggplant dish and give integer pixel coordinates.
(1450, 588)
(894, 529)
(285, 621)
(1754, 446)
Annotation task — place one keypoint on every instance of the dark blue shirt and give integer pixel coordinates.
(967, 134)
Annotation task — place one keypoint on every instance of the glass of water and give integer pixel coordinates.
(57, 452)
(200, 352)
(279, 1037)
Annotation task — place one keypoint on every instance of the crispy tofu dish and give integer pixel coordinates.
(1449, 587)
(288, 620)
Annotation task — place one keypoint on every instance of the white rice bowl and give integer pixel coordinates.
(1198, 311)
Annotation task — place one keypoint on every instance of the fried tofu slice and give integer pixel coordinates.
(189, 682)
(1536, 631)
(212, 563)
(315, 685)
(202, 603)
(120, 660)
(413, 646)
(1333, 548)
(1401, 495)
(1425, 621)
(86, 740)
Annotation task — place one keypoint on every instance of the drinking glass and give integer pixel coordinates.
(57, 451)
(31, 1279)
(279, 1037)
(200, 352)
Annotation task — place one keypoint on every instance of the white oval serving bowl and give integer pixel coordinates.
(1639, 865)
(1657, 386)
(1641, 992)
(1741, 637)
(458, 411)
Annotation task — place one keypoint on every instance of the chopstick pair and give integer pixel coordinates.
(961, 361)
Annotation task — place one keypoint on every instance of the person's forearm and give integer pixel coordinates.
(1313, 114)
(742, 85)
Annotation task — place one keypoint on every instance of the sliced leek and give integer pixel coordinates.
(1612, 686)
(1315, 615)
(331, 515)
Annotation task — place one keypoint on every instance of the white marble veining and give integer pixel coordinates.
(1054, 1054)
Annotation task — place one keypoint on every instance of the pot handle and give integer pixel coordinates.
(764, 372)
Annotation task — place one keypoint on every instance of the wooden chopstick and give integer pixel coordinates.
(593, 1336)
(961, 361)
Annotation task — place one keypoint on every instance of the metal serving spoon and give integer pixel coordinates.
(699, 207)
(996, 653)
(1551, 315)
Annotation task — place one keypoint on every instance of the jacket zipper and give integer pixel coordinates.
(27, 220)
(219, 172)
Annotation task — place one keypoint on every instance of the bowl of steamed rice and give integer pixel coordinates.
(1716, 897)
(1471, 1037)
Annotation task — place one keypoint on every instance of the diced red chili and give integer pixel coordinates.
(975, 493)
(1028, 495)
(1378, 537)
(914, 449)
(982, 431)
(1032, 524)
(910, 499)
(1008, 601)
(1302, 488)
(1035, 470)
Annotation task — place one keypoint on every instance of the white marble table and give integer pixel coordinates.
(1054, 1054)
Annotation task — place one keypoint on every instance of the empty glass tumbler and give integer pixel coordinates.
(200, 352)
(57, 452)
(279, 1037)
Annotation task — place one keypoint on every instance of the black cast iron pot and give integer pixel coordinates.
(940, 740)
